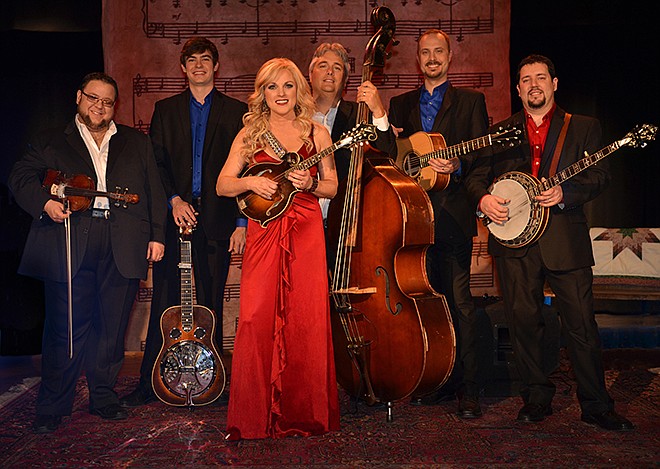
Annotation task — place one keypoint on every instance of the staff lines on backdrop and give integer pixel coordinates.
(264, 29)
(244, 84)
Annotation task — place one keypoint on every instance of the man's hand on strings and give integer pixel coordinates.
(440, 165)
(494, 207)
(551, 197)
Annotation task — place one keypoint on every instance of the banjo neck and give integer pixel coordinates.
(579, 166)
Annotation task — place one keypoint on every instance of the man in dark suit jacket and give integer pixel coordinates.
(562, 255)
(459, 115)
(110, 248)
(328, 73)
(192, 133)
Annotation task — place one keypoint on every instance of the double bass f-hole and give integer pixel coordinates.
(381, 271)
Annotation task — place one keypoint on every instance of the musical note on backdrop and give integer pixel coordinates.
(312, 29)
(245, 83)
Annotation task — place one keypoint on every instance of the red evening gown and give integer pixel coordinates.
(283, 374)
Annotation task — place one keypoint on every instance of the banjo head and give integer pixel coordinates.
(527, 218)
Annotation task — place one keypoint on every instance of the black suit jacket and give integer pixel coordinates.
(171, 136)
(462, 117)
(345, 120)
(130, 165)
(565, 244)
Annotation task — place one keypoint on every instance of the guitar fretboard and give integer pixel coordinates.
(459, 149)
(185, 266)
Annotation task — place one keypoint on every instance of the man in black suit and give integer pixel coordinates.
(192, 133)
(110, 248)
(459, 115)
(328, 73)
(562, 255)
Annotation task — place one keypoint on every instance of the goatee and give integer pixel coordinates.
(104, 124)
(536, 105)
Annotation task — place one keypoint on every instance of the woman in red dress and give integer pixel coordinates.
(283, 375)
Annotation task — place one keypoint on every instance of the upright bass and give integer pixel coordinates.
(392, 333)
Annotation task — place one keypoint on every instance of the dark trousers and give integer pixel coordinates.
(522, 280)
(210, 266)
(102, 302)
(448, 267)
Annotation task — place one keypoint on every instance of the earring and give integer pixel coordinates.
(264, 106)
(297, 109)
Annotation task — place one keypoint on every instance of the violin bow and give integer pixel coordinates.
(69, 279)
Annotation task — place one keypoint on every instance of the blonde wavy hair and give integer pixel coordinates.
(256, 120)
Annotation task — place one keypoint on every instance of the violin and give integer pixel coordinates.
(79, 190)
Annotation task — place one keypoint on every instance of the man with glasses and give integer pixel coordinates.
(192, 133)
(110, 248)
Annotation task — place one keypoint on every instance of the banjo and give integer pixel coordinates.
(527, 218)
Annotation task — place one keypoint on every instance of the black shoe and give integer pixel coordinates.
(609, 420)
(468, 407)
(46, 423)
(110, 412)
(434, 399)
(136, 399)
(534, 412)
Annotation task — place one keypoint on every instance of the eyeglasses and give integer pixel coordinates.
(95, 99)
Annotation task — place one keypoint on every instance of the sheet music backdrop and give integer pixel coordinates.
(142, 40)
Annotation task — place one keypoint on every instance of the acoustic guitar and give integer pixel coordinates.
(264, 210)
(415, 152)
(527, 219)
(189, 370)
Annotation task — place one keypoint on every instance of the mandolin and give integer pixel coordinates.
(189, 370)
(264, 210)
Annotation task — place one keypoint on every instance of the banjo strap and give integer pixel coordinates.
(560, 145)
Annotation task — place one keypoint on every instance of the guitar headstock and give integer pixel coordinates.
(640, 136)
(507, 136)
